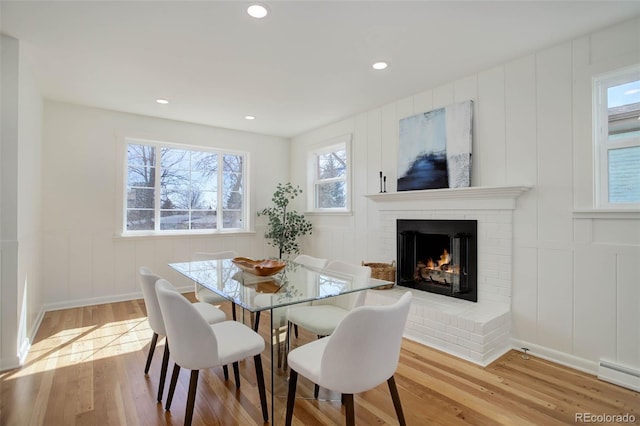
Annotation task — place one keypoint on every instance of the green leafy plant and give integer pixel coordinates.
(285, 226)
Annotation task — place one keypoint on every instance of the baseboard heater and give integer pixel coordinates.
(619, 374)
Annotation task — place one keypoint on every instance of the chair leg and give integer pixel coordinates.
(261, 386)
(163, 370)
(256, 321)
(287, 346)
(152, 348)
(277, 330)
(291, 397)
(349, 410)
(225, 370)
(172, 385)
(295, 329)
(396, 400)
(233, 310)
(236, 374)
(191, 398)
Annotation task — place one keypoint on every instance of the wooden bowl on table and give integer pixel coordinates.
(262, 268)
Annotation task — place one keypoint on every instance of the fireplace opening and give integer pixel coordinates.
(438, 256)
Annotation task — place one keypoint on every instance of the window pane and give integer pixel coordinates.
(172, 200)
(141, 155)
(232, 163)
(232, 198)
(204, 161)
(624, 175)
(203, 200)
(623, 94)
(231, 219)
(623, 109)
(203, 220)
(331, 195)
(203, 180)
(140, 198)
(332, 165)
(140, 220)
(175, 159)
(141, 176)
(174, 219)
(175, 177)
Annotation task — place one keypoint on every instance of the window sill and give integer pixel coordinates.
(128, 236)
(632, 214)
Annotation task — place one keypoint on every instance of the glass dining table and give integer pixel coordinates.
(295, 284)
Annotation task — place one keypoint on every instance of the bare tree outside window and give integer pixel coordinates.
(141, 175)
(188, 189)
(330, 177)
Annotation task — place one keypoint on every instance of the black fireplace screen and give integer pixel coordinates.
(438, 256)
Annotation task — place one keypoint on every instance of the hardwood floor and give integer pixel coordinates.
(86, 368)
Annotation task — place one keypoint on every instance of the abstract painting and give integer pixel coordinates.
(435, 148)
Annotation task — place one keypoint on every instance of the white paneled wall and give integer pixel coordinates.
(575, 294)
(85, 261)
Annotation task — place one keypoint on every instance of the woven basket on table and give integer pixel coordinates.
(383, 271)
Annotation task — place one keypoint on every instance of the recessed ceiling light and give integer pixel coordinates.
(257, 11)
(380, 65)
(249, 117)
(162, 101)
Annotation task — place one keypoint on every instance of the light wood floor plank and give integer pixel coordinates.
(86, 368)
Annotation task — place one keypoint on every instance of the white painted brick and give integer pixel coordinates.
(476, 357)
(476, 332)
(459, 332)
(446, 337)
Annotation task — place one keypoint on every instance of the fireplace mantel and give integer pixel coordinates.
(476, 197)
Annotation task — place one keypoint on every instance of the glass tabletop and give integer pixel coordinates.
(296, 283)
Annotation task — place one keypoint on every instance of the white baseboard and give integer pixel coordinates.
(79, 303)
(558, 357)
(620, 375)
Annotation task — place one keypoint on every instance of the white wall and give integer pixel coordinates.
(575, 297)
(21, 287)
(85, 261)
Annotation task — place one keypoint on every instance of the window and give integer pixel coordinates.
(171, 188)
(328, 183)
(617, 139)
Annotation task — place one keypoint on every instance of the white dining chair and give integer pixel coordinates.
(314, 262)
(202, 293)
(322, 316)
(362, 353)
(279, 315)
(197, 345)
(210, 313)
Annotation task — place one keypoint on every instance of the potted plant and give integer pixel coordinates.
(285, 226)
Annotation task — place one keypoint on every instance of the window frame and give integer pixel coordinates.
(325, 147)
(159, 145)
(602, 144)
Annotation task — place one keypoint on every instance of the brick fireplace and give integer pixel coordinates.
(438, 256)
(479, 332)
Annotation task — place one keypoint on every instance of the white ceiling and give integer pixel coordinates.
(305, 65)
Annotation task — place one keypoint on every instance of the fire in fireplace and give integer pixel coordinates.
(438, 256)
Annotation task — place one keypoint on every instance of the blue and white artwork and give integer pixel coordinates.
(435, 148)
